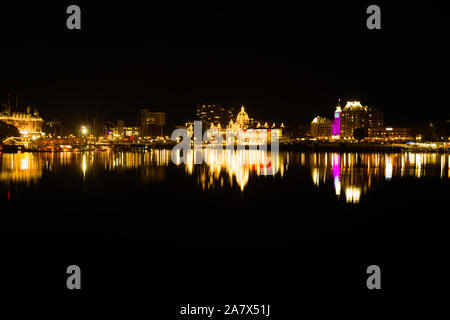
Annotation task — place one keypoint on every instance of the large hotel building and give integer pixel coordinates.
(356, 116)
(28, 123)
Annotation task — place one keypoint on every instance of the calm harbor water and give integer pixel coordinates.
(347, 177)
(245, 214)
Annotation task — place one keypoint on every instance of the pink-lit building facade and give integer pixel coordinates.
(336, 125)
(346, 119)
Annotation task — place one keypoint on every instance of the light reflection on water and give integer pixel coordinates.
(20, 167)
(354, 174)
(351, 175)
(233, 166)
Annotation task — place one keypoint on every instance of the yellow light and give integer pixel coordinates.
(353, 194)
(84, 165)
(24, 163)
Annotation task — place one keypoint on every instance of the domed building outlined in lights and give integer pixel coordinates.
(244, 131)
(244, 128)
(242, 119)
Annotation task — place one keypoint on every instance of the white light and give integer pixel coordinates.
(24, 164)
(388, 171)
(353, 194)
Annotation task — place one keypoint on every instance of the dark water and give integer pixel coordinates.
(245, 224)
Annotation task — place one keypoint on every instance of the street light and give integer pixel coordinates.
(84, 130)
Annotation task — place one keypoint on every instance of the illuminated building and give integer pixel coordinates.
(375, 118)
(28, 123)
(389, 134)
(189, 126)
(242, 119)
(214, 131)
(321, 128)
(354, 116)
(119, 130)
(152, 123)
(131, 131)
(336, 126)
(212, 114)
(241, 131)
(124, 131)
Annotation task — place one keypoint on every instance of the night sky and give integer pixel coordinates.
(287, 63)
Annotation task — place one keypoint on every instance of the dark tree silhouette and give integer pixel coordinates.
(7, 130)
(359, 133)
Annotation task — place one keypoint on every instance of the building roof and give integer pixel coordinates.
(242, 117)
(320, 120)
(353, 106)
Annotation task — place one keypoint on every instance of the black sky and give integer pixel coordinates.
(285, 63)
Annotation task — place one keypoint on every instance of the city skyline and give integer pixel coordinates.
(213, 155)
(12, 106)
(278, 65)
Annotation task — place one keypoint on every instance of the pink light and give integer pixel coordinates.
(336, 166)
(336, 171)
(336, 126)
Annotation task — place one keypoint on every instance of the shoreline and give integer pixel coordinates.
(359, 147)
(293, 146)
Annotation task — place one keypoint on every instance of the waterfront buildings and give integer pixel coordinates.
(353, 116)
(375, 118)
(321, 128)
(345, 120)
(336, 124)
(250, 132)
(213, 114)
(151, 123)
(389, 134)
(244, 130)
(28, 122)
(125, 130)
(371, 119)
(356, 116)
